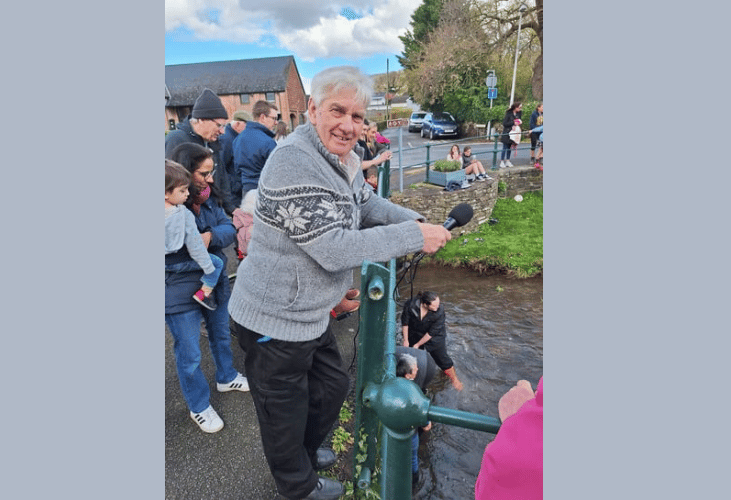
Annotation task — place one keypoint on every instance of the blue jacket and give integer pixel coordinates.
(534, 119)
(251, 150)
(227, 159)
(180, 286)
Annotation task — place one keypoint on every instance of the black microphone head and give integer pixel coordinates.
(462, 214)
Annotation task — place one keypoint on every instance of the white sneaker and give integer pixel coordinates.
(208, 420)
(502, 163)
(507, 162)
(238, 384)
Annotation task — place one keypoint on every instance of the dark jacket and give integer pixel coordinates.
(433, 323)
(227, 158)
(508, 123)
(184, 133)
(251, 150)
(180, 287)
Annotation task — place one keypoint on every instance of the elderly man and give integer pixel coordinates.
(233, 129)
(316, 221)
(203, 126)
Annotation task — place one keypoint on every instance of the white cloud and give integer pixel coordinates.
(309, 28)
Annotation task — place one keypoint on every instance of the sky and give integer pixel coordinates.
(318, 33)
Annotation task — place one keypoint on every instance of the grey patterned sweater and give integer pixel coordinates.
(315, 221)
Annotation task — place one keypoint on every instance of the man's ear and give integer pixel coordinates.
(311, 108)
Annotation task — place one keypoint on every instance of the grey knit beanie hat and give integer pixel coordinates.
(208, 105)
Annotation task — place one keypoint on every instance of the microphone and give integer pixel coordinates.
(459, 216)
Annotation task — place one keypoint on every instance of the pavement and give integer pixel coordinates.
(229, 464)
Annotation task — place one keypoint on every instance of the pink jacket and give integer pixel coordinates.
(512, 466)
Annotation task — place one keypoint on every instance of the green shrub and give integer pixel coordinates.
(501, 187)
(447, 165)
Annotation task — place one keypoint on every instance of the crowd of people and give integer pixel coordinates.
(310, 196)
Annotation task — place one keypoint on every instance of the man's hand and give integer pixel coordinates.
(512, 400)
(206, 238)
(435, 237)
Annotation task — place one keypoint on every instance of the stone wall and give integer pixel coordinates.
(435, 203)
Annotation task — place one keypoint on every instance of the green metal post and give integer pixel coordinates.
(494, 153)
(384, 179)
(428, 147)
(376, 308)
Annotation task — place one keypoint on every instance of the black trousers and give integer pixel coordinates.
(298, 389)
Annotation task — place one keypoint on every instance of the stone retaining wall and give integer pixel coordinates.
(435, 203)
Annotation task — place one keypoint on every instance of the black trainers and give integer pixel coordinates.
(326, 489)
(207, 302)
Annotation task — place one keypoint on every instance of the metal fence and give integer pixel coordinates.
(487, 152)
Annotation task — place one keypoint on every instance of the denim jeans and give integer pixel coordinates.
(186, 331)
(191, 265)
(506, 149)
(415, 452)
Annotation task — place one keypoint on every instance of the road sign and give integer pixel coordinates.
(492, 93)
(491, 80)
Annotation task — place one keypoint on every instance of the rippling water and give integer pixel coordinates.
(495, 338)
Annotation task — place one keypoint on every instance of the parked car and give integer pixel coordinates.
(439, 125)
(415, 121)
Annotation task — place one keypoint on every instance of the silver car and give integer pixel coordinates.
(415, 121)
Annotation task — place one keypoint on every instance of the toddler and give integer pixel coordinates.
(515, 132)
(181, 230)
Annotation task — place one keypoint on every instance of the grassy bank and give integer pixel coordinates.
(512, 245)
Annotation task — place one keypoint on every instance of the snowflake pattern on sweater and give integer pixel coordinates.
(305, 212)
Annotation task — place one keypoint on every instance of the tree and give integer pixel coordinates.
(423, 21)
(502, 23)
(448, 65)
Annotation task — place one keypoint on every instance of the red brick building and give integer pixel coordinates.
(239, 84)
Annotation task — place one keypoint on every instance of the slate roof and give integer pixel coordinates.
(185, 82)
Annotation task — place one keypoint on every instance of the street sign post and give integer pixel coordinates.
(491, 82)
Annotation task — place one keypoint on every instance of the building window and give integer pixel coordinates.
(244, 98)
(270, 96)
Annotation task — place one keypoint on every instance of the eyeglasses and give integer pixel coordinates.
(206, 174)
(219, 125)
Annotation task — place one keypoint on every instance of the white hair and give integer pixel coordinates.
(410, 361)
(330, 81)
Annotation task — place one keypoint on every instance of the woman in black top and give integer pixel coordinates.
(514, 112)
(423, 327)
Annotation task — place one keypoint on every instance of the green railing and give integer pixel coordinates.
(388, 406)
(494, 153)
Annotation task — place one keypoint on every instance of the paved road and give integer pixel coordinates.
(413, 154)
(230, 464)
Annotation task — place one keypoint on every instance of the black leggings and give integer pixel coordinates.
(534, 140)
(439, 353)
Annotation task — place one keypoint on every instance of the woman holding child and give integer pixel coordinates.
(183, 315)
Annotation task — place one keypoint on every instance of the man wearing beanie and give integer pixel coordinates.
(233, 129)
(203, 126)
